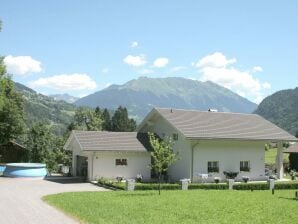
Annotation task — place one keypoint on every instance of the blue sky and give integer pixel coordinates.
(79, 47)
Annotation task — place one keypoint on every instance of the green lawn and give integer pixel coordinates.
(194, 206)
(270, 156)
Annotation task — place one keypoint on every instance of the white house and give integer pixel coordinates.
(207, 142)
(98, 154)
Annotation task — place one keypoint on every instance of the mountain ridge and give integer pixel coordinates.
(142, 94)
(281, 108)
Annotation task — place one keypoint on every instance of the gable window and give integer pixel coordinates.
(175, 136)
(121, 162)
(213, 166)
(245, 166)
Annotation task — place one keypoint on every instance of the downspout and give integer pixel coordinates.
(192, 160)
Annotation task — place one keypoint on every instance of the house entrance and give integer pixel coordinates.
(82, 166)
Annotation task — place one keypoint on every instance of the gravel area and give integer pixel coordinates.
(21, 203)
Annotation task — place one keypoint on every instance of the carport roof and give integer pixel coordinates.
(292, 149)
(112, 141)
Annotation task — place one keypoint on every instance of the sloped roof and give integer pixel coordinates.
(112, 141)
(195, 124)
(292, 149)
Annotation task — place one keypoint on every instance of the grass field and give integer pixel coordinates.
(270, 156)
(196, 206)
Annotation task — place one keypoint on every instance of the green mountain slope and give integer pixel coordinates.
(281, 108)
(66, 97)
(38, 107)
(140, 95)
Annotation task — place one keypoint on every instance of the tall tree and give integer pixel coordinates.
(39, 142)
(107, 123)
(121, 121)
(86, 119)
(11, 108)
(163, 156)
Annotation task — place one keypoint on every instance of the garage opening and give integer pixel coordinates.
(82, 166)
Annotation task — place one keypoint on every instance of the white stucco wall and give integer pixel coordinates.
(75, 148)
(104, 165)
(229, 154)
(181, 168)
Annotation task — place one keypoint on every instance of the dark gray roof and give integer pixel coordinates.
(222, 125)
(111, 141)
(292, 149)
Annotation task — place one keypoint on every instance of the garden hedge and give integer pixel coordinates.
(206, 186)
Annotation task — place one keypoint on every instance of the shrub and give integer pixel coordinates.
(223, 186)
(154, 186)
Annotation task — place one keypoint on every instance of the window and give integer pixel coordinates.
(213, 167)
(245, 166)
(121, 162)
(175, 136)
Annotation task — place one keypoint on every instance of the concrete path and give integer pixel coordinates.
(20, 200)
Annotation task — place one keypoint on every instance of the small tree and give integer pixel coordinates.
(162, 155)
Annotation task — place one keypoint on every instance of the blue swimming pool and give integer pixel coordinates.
(25, 170)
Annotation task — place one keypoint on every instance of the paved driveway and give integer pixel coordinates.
(20, 200)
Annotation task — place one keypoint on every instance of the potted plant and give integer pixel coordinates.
(245, 179)
(216, 180)
(139, 178)
(293, 174)
(230, 175)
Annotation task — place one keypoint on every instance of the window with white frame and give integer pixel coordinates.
(213, 166)
(245, 166)
(121, 162)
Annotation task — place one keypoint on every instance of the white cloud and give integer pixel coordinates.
(134, 44)
(257, 69)
(135, 61)
(105, 70)
(160, 62)
(146, 71)
(218, 69)
(216, 59)
(22, 65)
(266, 85)
(178, 68)
(65, 82)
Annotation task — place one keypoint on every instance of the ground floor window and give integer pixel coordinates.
(245, 166)
(121, 162)
(213, 166)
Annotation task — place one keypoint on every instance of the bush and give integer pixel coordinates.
(220, 186)
(207, 186)
(154, 186)
(105, 182)
(293, 159)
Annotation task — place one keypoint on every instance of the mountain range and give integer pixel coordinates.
(281, 108)
(140, 95)
(38, 107)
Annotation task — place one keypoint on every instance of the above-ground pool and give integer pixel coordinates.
(25, 170)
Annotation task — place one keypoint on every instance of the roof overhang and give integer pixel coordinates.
(242, 139)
